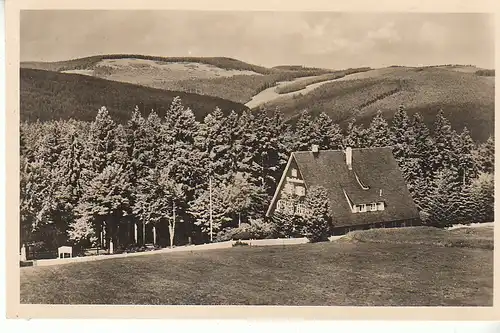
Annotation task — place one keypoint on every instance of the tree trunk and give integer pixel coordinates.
(154, 235)
(144, 233)
(239, 219)
(171, 227)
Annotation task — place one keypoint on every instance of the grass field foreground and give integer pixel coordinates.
(385, 273)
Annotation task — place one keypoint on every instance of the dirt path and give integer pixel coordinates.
(270, 94)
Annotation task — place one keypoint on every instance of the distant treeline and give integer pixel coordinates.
(47, 95)
(486, 72)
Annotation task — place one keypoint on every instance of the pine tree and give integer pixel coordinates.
(378, 132)
(421, 148)
(264, 148)
(356, 136)
(463, 152)
(401, 135)
(235, 153)
(283, 224)
(318, 221)
(326, 133)
(178, 153)
(103, 146)
(217, 206)
(68, 180)
(484, 155)
(305, 132)
(443, 154)
(243, 197)
(443, 205)
(153, 136)
(478, 203)
(55, 210)
(215, 136)
(35, 188)
(105, 201)
(159, 197)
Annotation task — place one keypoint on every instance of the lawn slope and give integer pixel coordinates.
(336, 273)
(47, 95)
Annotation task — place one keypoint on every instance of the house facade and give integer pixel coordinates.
(365, 188)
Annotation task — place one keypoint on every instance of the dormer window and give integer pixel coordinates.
(373, 207)
(363, 186)
(294, 173)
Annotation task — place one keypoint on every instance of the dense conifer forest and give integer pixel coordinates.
(80, 178)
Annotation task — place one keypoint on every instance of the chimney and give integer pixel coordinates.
(380, 193)
(348, 157)
(315, 148)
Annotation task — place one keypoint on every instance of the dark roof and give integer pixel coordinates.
(375, 167)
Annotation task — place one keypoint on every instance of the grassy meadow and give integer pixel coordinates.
(384, 267)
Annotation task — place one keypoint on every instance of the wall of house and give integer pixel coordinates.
(290, 183)
(392, 224)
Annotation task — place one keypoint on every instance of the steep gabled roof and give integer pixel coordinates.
(375, 177)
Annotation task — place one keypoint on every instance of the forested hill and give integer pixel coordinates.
(47, 95)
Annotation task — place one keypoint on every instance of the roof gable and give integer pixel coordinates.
(375, 177)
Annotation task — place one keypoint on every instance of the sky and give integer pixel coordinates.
(320, 39)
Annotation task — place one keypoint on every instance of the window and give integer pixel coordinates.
(380, 206)
(279, 206)
(373, 207)
(362, 208)
(294, 173)
(285, 207)
(300, 191)
(288, 188)
(289, 209)
(301, 210)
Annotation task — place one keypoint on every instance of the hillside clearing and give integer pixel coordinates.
(143, 71)
(466, 99)
(272, 94)
(220, 77)
(335, 273)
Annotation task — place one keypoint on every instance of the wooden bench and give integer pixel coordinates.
(62, 250)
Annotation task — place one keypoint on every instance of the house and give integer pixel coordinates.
(365, 188)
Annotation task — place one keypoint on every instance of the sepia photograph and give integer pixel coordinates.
(278, 158)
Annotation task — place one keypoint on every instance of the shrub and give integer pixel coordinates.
(318, 228)
(288, 226)
(239, 243)
(318, 223)
(257, 229)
